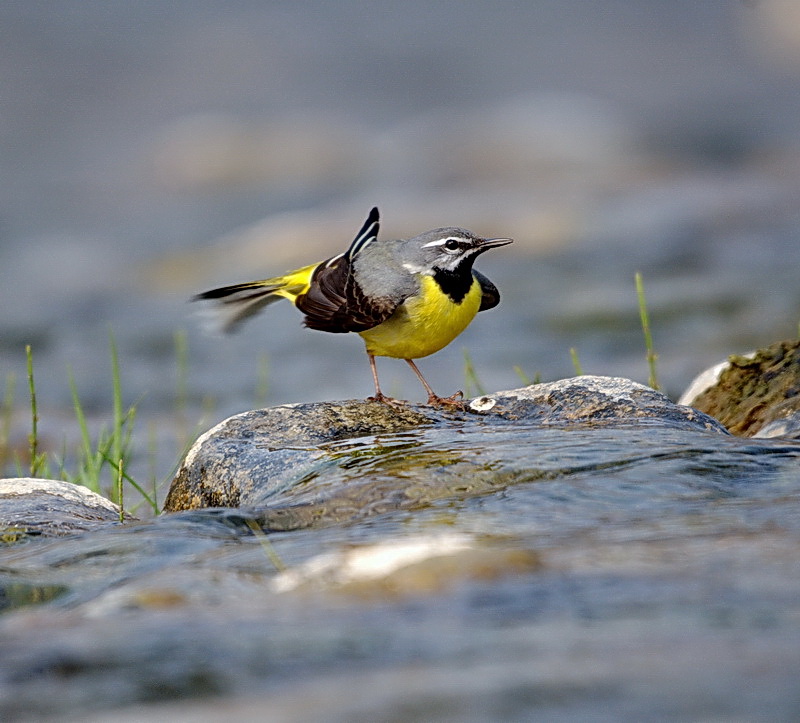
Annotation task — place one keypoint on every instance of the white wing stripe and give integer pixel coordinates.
(369, 235)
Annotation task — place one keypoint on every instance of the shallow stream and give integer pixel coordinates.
(643, 573)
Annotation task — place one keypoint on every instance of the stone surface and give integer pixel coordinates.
(591, 400)
(753, 395)
(255, 448)
(255, 458)
(32, 506)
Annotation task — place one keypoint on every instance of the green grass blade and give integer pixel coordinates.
(38, 460)
(119, 469)
(117, 447)
(573, 352)
(648, 337)
(266, 545)
(471, 377)
(33, 438)
(524, 378)
(88, 465)
(120, 491)
(5, 421)
(152, 459)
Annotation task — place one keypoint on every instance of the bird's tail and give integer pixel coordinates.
(233, 305)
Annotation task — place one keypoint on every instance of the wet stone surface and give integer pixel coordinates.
(487, 566)
(298, 462)
(31, 507)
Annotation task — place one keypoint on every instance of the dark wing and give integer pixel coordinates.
(367, 234)
(334, 301)
(491, 296)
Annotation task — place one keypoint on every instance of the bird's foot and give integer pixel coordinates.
(455, 401)
(389, 401)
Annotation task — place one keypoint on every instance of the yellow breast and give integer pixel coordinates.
(423, 324)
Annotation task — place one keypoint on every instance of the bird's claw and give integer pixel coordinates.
(454, 401)
(389, 401)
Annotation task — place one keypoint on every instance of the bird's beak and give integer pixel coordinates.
(490, 243)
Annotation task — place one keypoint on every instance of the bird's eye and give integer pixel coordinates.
(452, 244)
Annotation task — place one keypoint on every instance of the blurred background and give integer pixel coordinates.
(150, 150)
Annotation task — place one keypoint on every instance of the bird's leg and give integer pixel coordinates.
(453, 401)
(379, 395)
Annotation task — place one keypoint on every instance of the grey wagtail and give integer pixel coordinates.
(406, 298)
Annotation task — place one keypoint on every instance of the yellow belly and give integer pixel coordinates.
(423, 324)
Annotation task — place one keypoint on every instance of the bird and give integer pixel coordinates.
(406, 298)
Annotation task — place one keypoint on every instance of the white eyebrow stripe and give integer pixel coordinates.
(442, 241)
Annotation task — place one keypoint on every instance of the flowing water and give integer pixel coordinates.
(610, 572)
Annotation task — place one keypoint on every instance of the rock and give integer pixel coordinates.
(753, 395)
(334, 460)
(254, 450)
(30, 506)
(703, 381)
(591, 400)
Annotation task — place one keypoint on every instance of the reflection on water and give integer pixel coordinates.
(16, 595)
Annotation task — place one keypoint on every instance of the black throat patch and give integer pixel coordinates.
(456, 283)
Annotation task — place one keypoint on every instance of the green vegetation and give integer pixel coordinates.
(101, 460)
(648, 338)
(38, 460)
(525, 379)
(471, 381)
(6, 412)
(576, 363)
(265, 543)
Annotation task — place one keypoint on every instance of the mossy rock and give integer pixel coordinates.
(756, 390)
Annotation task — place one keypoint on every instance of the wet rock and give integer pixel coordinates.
(591, 400)
(30, 506)
(340, 459)
(254, 451)
(755, 394)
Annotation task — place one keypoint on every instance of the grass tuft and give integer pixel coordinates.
(109, 450)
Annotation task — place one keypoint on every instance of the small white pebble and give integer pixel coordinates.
(482, 404)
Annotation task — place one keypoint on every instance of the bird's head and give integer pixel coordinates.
(450, 250)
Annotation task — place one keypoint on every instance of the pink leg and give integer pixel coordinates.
(434, 399)
(379, 395)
